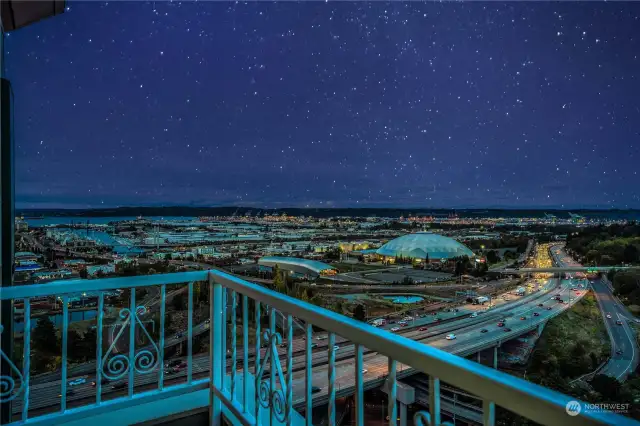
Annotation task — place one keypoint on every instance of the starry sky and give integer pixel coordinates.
(521, 104)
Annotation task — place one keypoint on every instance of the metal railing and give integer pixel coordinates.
(264, 390)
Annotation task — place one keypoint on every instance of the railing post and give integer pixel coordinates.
(434, 399)
(215, 352)
(359, 387)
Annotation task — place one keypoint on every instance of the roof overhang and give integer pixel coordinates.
(20, 13)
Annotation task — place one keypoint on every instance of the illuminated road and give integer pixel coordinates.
(622, 336)
(45, 395)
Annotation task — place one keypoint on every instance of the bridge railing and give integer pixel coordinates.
(248, 366)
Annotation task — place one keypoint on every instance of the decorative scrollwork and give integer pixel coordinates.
(8, 391)
(114, 367)
(423, 418)
(267, 397)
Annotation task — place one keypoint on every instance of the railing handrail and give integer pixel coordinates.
(527, 399)
(102, 284)
(535, 402)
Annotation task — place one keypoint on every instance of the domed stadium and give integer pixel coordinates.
(422, 245)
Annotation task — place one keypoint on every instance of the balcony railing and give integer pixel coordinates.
(247, 382)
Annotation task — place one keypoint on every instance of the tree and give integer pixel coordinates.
(359, 313)
(89, 342)
(83, 273)
(152, 271)
(74, 345)
(608, 387)
(44, 336)
(630, 254)
(278, 282)
(492, 257)
(593, 256)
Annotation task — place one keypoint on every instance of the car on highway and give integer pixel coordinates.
(536, 314)
(403, 324)
(540, 305)
(473, 315)
(609, 316)
(619, 322)
(619, 351)
(422, 329)
(507, 330)
(549, 308)
(314, 345)
(484, 330)
(407, 319)
(523, 318)
(437, 320)
(315, 389)
(364, 371)
(178, 336)
(283, 344)
(70, 392)
(78, 381)
(500, 324)
(394, 329)
(450, 336)
(207, 321)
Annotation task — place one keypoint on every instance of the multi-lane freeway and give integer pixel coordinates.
(624, 346)
(469, 339)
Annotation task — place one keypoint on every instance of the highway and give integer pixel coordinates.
(45, 395)
(624, 345)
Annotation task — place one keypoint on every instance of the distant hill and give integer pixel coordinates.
(322, 212)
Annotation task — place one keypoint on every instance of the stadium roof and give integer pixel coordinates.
(423, 244)
(295, 264)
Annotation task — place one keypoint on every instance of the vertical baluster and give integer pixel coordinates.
(234, 354)
(26, 358)
(488, 413)
(273, 360)
(99, 348)
(332, 379)
(245, 353)
(359, 387)
(289, 391)
(257, 364)
(434, 399)
(392, 391)
(190, 335)
(308, 377)
(215, 351)
(65, 335)
(132, 339)
(223, 366)
(163, 299)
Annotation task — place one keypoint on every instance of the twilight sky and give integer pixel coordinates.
(329, 104)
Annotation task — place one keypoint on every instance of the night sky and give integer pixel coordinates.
(329, 104)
